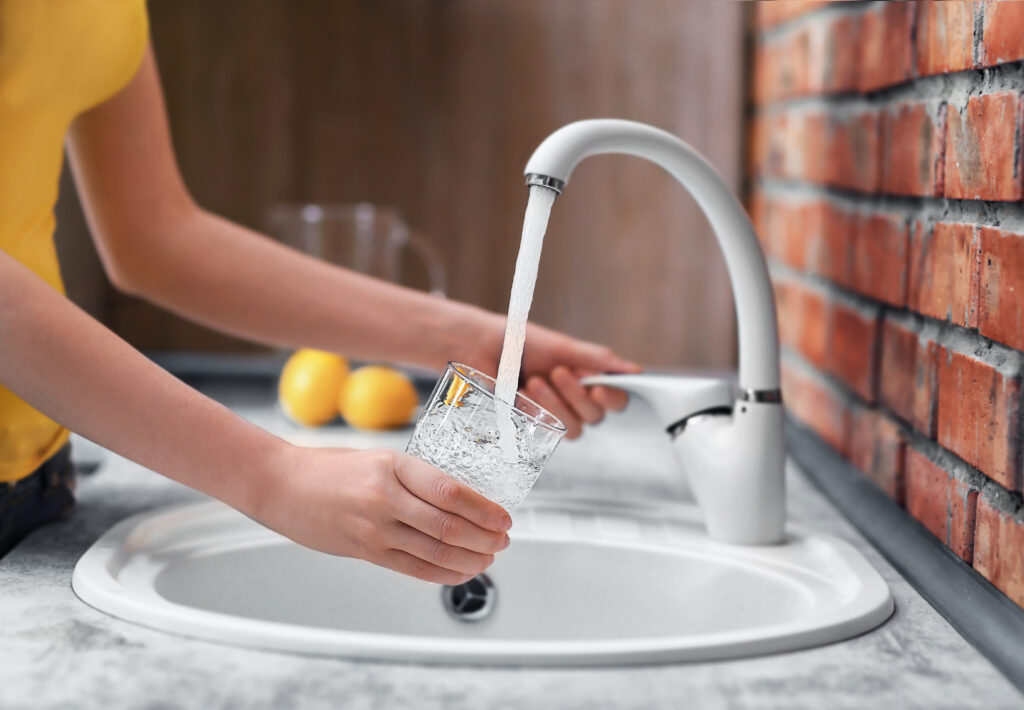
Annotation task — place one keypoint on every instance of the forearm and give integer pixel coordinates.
(80, 374)
(228, 277)
(155, 242)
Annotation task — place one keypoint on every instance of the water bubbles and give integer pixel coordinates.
(479, 460)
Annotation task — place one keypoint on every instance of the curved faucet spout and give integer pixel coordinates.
(555, 159)
(733, 452)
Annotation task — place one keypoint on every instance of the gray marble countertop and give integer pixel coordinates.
(56, 652)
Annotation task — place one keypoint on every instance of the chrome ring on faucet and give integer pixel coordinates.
(537, 180)
(765, 396)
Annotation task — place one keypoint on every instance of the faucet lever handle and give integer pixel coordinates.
(674, 399)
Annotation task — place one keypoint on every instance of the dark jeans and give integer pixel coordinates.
(39, 498)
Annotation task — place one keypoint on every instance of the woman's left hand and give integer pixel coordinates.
(553, 364)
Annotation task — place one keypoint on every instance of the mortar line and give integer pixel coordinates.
(959, 85)
(1006, 215)
(1008, 361)
(1005, 500)
(793, 24)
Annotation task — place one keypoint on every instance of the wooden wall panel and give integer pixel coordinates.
(434, 106)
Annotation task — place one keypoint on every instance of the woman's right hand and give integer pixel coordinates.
(386, 507)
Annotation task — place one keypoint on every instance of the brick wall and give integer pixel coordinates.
(886, 185)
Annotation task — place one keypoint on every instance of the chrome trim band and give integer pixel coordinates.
(535, 179)
(764, 396)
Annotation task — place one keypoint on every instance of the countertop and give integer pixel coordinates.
(57, 652)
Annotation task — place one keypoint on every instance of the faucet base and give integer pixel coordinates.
(736, 464)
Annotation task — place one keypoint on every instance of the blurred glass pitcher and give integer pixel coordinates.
(367, 238)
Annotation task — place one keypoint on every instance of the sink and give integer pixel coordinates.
(584, 582)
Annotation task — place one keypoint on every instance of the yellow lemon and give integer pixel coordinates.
(309, 386)
(375, 397)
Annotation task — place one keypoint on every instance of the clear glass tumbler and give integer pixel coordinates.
(459, 431)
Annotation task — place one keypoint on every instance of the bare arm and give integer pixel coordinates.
(157, 243)
(382, 506)
(80, 374)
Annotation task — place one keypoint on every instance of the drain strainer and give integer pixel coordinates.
(471, 601)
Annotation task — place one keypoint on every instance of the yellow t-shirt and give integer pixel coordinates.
(58, 58)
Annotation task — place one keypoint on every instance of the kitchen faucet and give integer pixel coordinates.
(728, 438)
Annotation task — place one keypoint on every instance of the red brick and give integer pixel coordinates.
(802, 62)
(830, 235)
(852, 340)
(977, 415)
(789, 240)
(790, 145)
(908, 376)
(944, 272)
(756, 151)
(799, 64)
(757, 208)
(879, 266)
(913, 145)
(779, 224)
(774, 68)
(876, 448)
(802, 320)
(927, 493)
(831, 55)
(762, 210)
(982, 142)
(779, 11)
(812, 135)
(768, 144)
(812, 329)
(841, 63)
(786, 311)
(963, 505)
(787, 144)
(818, 406)
(999, 550)
(853, 152)
(792, 243)
(886, 45)
(1001, 298)
(1002, 33)
(764, 72)
(940, 502)
(945, 36)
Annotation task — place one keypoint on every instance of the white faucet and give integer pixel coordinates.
(728, 439)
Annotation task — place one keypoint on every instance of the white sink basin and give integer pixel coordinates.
(583, 583)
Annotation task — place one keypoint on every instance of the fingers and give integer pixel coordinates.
(406, 563)
(572, 403)
(448, 528)
(613, 400)
(575, 395)
(441, 554)
(432, 485)
(598, 358)
(542, 393)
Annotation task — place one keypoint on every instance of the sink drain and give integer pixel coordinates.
(471, 601)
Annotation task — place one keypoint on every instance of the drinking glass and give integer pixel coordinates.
(459, 430)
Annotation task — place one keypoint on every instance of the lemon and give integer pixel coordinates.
(309, 385)
(375, 397)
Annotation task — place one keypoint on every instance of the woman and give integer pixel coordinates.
(82, 69)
